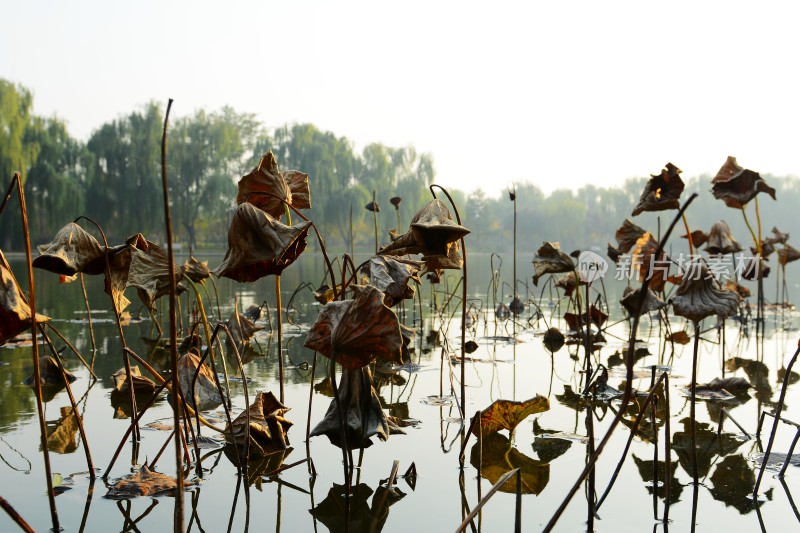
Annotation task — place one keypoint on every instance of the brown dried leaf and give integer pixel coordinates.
(72, 250)
(507, 414)
(145, 482)
(394, 277)
(736, 186)
(630, 301)
(720, 240)
(149, 272)
(358, 331)
(15, 313)
(662, 191)
(627, 235)
(266, 178)
(196, 270)
(259, 245)
(268, 427)
(206, 395)
(141, 384)
(700, 295)
(551, 260)
(788, 254)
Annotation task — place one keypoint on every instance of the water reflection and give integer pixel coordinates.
(733, 481)
(359, 515)
(709, 445)
(499, 457)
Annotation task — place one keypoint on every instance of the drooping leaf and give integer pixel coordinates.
(630, 301)
(397, 278)
(662, 191)
(627, 235)
(205, 394)
(721, 241)
(196, 270)
(550, 259)
(149, 272)
(435, 235)
(50, 373)
(679, 337)
(141, 384)
(72, 250)
(290, 186)
(15, 313)
(358, 331)
(259, 245)
(268, 427)
(736, 185)
(788, 254)
(700, 295)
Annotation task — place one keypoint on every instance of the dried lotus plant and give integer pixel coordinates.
(262, 428)
(736, 185)
(550, 259)
(662, 191)
(290, 187)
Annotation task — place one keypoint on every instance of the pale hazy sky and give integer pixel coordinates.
(556, 93)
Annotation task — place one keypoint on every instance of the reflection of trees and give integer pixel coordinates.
(363, 516)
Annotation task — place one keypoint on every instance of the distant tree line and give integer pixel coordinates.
(115, 179)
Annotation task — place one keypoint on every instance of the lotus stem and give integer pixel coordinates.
(628, 393)
(463, 303)
(73, 403)
(375, 219)
(37, 377)
(73, 350)
(278, 304)
(776, 421)
(14, 515)
(89, 317)
(688, 235)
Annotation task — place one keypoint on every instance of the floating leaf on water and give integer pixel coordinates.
(145, 482)
(141, 384)
(438, 401)
(508, 414)
(50, 373)
(776, 460)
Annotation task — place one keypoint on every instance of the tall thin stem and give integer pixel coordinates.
(279, 305)
(173, 332)
(37, 375)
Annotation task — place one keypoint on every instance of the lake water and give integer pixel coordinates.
(499, 370)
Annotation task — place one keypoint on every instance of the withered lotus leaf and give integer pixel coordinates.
(15, 313)
(291, 187)
(698, 237)
(196, 270)
(788, 254)
(679, 337)
(741, 290)
(268, 427)
(395, 277)
(553, 340)
(499, 457)
(205, 395)
(325, 293)
(630, 301)
(50, 374)
(700, 295)
(736, 186)
(141, 384)
(358, 331)
(753, 269)
(149, 272)
(648, 265)
(260, 245)
(507, 414)
(721, 241)
(613, 253)
(550, 259)
(73, 250)
(435, 235)
(575, 321)
(767, 249)
(364, 417)
(373, 207)
(395, 201)
(780, 237)
(662, 191)
(117, 279)
(242, 328)
(568, 282)
(145, 482)
(627, 235)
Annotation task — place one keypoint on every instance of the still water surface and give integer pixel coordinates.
(500, 369)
